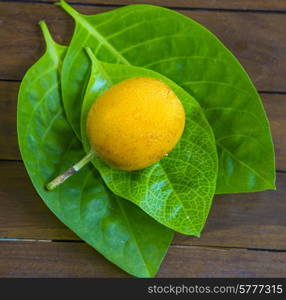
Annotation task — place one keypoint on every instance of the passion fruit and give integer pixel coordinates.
(135, 123)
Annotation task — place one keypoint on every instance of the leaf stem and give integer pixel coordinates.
(71, 171)
(67, 8)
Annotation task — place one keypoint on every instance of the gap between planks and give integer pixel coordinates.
(21, 161)
(182, 8)
(223, 248)
(259, 91)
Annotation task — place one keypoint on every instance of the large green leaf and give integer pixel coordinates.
(184, 51)
(118, 229)
(178, 190)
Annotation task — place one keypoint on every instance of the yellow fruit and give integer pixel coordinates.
(135, 123)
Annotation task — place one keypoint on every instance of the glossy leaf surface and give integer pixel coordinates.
(117, 228)
(177, 191)
(187, 53)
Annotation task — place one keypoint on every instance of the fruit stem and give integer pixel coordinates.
(71, 171)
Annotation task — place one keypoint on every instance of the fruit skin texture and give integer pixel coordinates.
(135, 123)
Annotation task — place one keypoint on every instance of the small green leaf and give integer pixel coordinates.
(118, 229)
(184, 51)
(178, 190)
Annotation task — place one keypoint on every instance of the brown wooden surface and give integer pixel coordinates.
(271, 5)
(237, 223)
(51, 259)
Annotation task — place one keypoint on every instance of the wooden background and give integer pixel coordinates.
(245, 235)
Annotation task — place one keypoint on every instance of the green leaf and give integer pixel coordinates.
(118, 229)
(177, 191)
(184, 51)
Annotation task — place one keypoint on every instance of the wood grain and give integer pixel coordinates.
(211, 262)
(257, 39)
(213, 4)
(8, 128)
(275, 106)
(254, 220)
(54, 259)
(50, 259)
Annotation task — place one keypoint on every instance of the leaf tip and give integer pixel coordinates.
(197, 234)
(43, 25)
(59, 3)
(67, 8)
(46, 33)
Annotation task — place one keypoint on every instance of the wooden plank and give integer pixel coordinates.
(211, 262)
(275, 106)
(254, 220)
(54, 259)
(261, 49)
(40, 259)
(8, 128)
(213, 4)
